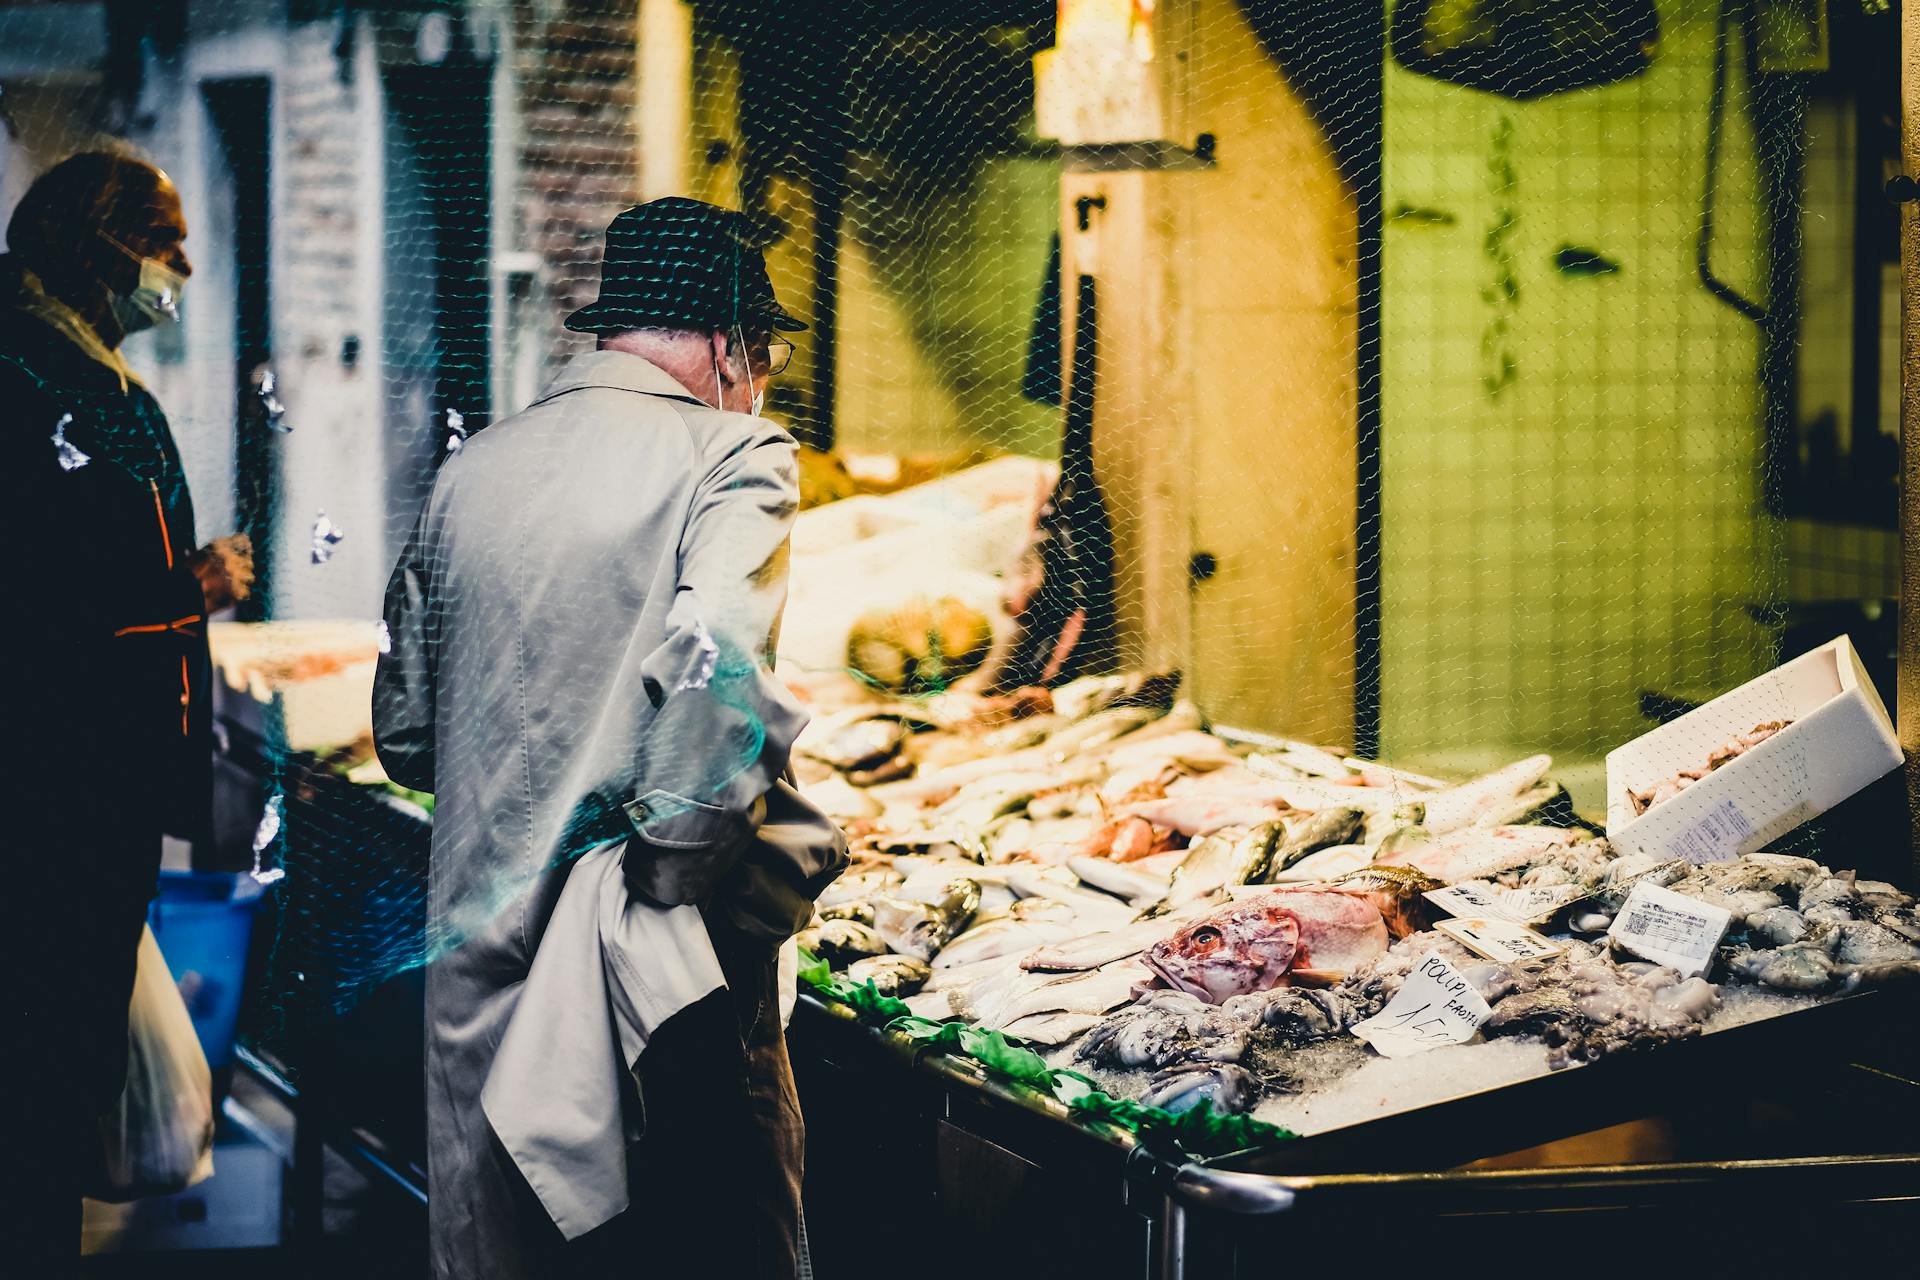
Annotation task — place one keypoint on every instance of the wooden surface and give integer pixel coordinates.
(1225, 421)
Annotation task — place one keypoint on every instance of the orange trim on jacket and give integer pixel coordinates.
(179, 626)
(160, 514)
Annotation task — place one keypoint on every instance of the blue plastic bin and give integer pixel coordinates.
(203, 921)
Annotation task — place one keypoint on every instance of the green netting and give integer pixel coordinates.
(1199, 1131)
(1456, 380)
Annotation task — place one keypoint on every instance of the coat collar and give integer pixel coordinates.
(619, 370)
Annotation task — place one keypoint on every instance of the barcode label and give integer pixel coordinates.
(1716, 837)
(1670, 928)
(1666, 929)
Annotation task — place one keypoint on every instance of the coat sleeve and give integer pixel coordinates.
(723, 723)
(403, 705)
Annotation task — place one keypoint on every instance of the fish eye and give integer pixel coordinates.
(1206, 935)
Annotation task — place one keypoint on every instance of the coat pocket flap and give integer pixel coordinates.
(676, 822)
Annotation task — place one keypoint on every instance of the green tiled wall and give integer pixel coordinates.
(1591, 528)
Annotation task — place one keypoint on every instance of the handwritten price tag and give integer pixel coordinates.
(1497, 939)
(1435, 1006)
(1670, 928)
(1532, 904)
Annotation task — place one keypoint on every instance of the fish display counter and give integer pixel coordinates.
(1251, 966)
(1144, 994)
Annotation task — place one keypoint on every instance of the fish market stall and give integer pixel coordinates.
(1271, 959)
(1183, 983)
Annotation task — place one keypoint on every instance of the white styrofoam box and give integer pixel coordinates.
(1840, 740)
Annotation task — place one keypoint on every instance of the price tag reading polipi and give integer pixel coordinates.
(1435, 1006)
(1670, 928)
(1500, 940)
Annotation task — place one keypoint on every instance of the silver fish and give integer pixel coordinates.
(1000, 1002)
(897, 976)
(841, 942)
(1052, 1028)
(860, 911)
(1312, 794)
(863, 744)
(860, 884)
(1224, 858)
(920, 929)
(1487, 800)
(1095, 730)
(1092, 950)
(1138, 887)
(1009, 935)
(1322, 830)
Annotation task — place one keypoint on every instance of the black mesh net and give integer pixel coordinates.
(1443, 383)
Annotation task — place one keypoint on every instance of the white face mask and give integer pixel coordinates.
(755, 400)
(159, 291)
(156, 298)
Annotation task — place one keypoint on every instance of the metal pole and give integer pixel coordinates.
(1173, 1242)
(1909, 674)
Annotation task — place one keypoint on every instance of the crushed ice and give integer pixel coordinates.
(263, 837)
(326, 536)
(71, 459)
(270, 403)
(456, 431)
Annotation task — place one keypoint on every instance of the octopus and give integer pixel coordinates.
(1585, 1007)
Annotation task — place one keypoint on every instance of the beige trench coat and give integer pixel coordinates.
(582, 626)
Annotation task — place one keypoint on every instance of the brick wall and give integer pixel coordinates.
(326, 289)
(575, 66)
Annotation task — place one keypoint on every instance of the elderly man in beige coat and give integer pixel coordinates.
(582, 628)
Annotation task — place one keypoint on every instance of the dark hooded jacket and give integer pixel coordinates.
(106, 690)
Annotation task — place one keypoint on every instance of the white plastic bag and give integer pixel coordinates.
(159, 1138)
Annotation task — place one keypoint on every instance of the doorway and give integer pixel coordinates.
(438, 218)
(240, 113)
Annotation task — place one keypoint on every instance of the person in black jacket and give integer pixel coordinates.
(106, 707)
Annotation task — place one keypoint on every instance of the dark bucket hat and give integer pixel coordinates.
(676, 262)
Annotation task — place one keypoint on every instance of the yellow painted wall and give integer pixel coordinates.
(1227, 407)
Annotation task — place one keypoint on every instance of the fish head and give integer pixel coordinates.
(1243, 948)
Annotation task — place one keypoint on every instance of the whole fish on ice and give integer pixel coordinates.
(1221, 859)
(1026, 924)
(1200, 815)
(1092, 950)
(1139, 888)
(921, 929)
(1002, 1001)
(1475, 853)
(1265, 942)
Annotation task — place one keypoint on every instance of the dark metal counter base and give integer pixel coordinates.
(1771, 1152)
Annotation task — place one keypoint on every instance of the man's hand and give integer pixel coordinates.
(225, 570)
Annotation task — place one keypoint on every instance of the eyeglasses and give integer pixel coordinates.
(779, 355)
(769, 355)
